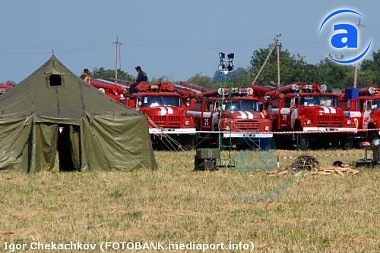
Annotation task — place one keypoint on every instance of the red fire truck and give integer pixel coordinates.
(111, 89)
(232, 116)
(4, 87)
(313, 113)
(363, 107)
(166, 111)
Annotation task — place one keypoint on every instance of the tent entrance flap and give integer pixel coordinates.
(56, 146)
(68, 147)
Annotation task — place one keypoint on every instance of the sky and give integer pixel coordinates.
(176, 39)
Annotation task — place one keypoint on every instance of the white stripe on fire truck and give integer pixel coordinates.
(332, 109)
(325, 109)
(170, 110)
(250, 115)
(163, 110)
(284, 110)
(243, 115)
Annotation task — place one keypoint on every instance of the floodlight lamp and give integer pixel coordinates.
(222, 55)
(231, 56)
(230, 67)
(222, 66)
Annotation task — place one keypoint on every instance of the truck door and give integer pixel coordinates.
(294, 105)
(285, 113)
(206, 120)
(367, 109)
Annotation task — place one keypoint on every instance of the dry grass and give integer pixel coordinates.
(176, 204)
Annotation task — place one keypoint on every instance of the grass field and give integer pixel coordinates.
(307, 213)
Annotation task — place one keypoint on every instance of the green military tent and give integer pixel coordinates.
(53, 119)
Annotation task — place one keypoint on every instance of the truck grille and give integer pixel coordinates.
(247, 125)
(330, 120)
(167, 120)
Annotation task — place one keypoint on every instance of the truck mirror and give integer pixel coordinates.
(139, 103)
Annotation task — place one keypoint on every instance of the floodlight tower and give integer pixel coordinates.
(226, 66)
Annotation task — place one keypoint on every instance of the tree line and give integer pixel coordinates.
(293, 68)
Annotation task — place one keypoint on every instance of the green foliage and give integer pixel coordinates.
(161, 79)
(294, 68)
(334, 75)
(202, 80)
(109, 73)
(370, 70)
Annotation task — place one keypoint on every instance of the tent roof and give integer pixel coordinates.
(53, 91)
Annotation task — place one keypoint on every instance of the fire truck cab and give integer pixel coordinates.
(311, 111)
(363, 107)
(233, 114)
(166, 112)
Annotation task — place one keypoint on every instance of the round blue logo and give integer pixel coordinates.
(345, 37)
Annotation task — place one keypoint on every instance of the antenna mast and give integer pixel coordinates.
(277, 43)
(359, 25)
(117, 55)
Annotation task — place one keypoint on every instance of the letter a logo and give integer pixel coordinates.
(348, 39)
(345, 37)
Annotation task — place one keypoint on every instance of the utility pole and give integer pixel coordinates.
(117, 55)
(277, 44)
(359, 25)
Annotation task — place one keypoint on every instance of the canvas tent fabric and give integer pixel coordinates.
(53, 115)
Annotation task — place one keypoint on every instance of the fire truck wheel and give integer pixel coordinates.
(188, 142)
(302, 139)
(302, 142)
(372, 135)
(348, 142)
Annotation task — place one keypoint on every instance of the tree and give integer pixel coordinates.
(108, 73)
(293, 68)
(334, 75)
(202, 80)
(369, 70)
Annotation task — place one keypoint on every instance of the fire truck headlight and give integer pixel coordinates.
(187, 123)
(349, 122)
(266, 128)
(308, 122)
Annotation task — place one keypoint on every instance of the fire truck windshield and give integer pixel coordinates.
(319, 100)
(152, 101)
(376, 104)
(240, 105)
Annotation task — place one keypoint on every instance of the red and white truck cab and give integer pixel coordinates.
(166, 111)
(363, 107)
(311, 111)
(232, 113)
